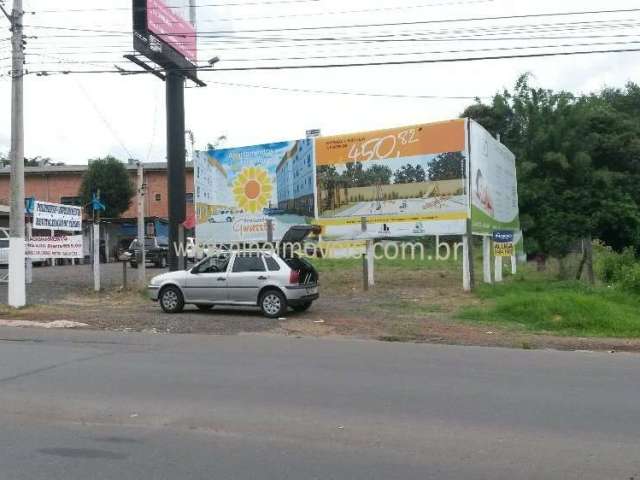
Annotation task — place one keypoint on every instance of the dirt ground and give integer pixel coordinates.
(404, 306)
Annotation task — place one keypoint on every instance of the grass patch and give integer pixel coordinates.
(558, 307)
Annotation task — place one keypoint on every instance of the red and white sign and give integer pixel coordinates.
(55, 247)
(175, 31)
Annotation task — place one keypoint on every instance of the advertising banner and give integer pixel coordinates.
(169, 21)
(239, 189)
(407, 181)
(55, 247)
(503, 243)
(494, 187)
(54, 216)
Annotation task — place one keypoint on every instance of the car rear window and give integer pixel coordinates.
(272, 264)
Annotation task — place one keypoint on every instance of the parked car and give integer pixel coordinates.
(272, 281)
(222, 216)
(156, 252)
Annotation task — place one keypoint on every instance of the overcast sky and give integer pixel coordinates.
(72, 118)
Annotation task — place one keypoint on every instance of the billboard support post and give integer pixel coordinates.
(370, 263)
(486, 259)
(368, 272)
(498, 269)
(514, 265)
(270, 231)
(175, 164)
(466, 270)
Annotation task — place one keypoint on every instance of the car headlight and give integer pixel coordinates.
(155, 281)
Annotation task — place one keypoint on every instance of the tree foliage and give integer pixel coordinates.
(111, 178)
(578, 161)
(447, 166)
(410, 174)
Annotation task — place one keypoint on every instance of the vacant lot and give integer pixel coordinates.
(412, 301)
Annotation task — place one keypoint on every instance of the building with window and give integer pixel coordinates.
(209, 172)
(295, 179)
(61, 184)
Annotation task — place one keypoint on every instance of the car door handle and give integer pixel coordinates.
(262, 277)
(221, 279)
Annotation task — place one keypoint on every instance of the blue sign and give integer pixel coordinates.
(29, 204)
(96, 205)
(503, 236)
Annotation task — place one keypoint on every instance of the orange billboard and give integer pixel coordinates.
(425, 139)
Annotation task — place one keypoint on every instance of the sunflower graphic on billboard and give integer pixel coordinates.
(252, 189)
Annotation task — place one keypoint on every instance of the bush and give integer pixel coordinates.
(629, 278)
(609, 264)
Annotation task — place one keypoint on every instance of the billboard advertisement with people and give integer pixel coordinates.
(400, 182)
(494, 187)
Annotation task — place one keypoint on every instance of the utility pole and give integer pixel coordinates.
(17, 289)
(141, 260)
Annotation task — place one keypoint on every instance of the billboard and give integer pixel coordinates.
(165, 32)
(414, 181)
(400, 182)
(494, 186)
(238, 190)
(55, 216)
(170, 21)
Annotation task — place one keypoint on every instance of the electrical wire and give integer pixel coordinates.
(338, 92)
(350, 26)
(344, 65)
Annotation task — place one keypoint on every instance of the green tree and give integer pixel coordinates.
(447, 166)
(578, 161)
(111, 177)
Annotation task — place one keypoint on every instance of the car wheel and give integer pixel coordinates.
(301, 307)
(273, 304)
(229, 219)
(171, 299)
(204, 308)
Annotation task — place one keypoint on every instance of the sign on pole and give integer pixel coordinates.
(68, 246)
(54, 216)
(503, 243)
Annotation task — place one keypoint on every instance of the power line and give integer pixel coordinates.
(247, 4)
(338, 92)
(348, 65)
(370, 25)
(390, 54)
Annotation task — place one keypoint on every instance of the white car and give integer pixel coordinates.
(222, 216)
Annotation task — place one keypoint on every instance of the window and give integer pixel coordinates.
(71, 201)
(215, 264)
(272, 265)
(158, 197)
(244, 263)
(189, 197)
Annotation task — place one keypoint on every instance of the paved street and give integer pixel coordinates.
(104, 405)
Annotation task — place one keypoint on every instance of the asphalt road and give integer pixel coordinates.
(100, 405)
